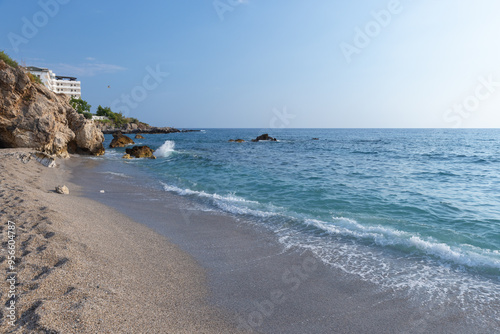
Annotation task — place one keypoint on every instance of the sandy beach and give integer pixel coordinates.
(82, 267)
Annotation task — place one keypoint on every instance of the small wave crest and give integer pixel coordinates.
(463, 255)
(166, 149)
(228, 203)
(116, 174)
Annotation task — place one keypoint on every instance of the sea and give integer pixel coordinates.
(414, 211)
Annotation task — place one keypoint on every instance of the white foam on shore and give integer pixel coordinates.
(466, 255)
(165, 150)
(431, 272)
(116, 174)
(427, 281)
(461, 255)
(228, 203)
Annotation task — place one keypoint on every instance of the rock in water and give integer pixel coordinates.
(140, 152)
(120, 140)
(127, 156)
(62, 190)
(264, 137)
(138, 136)
(33, 116)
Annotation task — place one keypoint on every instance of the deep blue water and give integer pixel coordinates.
(413, 210)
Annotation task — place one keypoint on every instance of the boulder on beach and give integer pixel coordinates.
(138, 136)
(264, 137)
(140, 152)
(120, 140)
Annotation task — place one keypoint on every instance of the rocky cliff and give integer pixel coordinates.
(33, 116)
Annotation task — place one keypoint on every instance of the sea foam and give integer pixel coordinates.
(165, 150)
(466, 255)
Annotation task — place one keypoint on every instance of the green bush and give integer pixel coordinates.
(80, 105)
(104, 111)
(34, 78)
(87, 115)
(116, 117)
(8, 60)
(104, 121)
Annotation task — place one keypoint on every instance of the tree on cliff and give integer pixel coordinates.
(104, 111)
(117, 118)
(82, 107)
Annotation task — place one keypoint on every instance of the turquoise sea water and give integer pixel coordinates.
(410, 210)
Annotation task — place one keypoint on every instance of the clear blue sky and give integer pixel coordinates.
(263, 63)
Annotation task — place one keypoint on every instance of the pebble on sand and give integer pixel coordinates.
(62, 190)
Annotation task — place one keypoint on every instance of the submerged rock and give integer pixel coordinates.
(33, 116)
(127, 156)
(140, 152)
(264, 137)
(138, 136)
(120, 140)
(236, 141)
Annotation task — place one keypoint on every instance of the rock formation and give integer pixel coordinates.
(236, 141)
(138, 136)
(264, 137)
(140, 152)
(119, 140)
(33, 116)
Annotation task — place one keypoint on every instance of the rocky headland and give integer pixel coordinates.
(136, 128)
(32, 116)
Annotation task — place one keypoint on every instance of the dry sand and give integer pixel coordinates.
(84, 268)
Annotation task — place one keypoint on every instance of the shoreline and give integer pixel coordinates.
(251, 275)
(83, 267)
(136, 257)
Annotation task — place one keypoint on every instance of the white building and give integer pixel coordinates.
(99, 118)
(58, 84)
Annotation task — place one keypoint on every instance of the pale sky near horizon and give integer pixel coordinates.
(260, 64)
